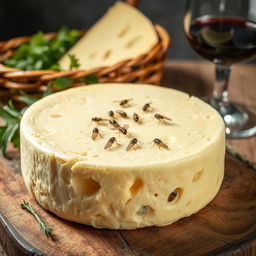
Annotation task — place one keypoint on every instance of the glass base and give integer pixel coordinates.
(240, 120)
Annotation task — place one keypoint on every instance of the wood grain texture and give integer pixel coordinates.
(227, 223)
(227, 226)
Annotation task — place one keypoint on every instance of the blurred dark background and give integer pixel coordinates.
(25, 17)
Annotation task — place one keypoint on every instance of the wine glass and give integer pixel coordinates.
(224, 32)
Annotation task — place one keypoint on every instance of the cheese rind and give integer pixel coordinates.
(123, 33)
(74, 177)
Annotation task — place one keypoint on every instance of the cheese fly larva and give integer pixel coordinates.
(111, 114)
(162, 118)
(95, 133)
(159, 143)
(146, 107)
(110, 143)
(99, 119)
(124, 129)
(124, 103)
(136, 118)
(114, 123)
(122, 113)
(133, 144)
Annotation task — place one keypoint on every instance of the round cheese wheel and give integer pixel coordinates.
(167, 166)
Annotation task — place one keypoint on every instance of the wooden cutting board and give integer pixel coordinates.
(227, 226)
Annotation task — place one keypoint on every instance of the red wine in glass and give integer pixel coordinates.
(224, 32)
(223, 39)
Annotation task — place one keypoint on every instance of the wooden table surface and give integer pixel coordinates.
(197, 79)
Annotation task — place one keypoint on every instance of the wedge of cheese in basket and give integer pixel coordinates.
(122, 33)
(175, 168)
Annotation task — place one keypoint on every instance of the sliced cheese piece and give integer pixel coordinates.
(77, 179)
(122, 33)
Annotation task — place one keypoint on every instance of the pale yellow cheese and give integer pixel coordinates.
(74, 177)
(122, 33)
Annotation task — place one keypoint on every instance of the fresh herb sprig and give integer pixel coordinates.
(62, 83)
(10, 132)
(44, 227)
(74, 61)
(43, 53)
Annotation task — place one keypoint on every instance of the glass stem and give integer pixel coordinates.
(220, 90)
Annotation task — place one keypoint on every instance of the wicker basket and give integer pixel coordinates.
(146, 68)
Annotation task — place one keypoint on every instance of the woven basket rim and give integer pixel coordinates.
(164, 40)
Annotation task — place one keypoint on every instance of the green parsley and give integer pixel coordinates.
(43, 53)
(10, 131)
(74, 62)
(62, 83)
(90, 79)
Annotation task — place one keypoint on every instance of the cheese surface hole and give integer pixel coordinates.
(123, 32)
(175, 195)
(136, 186)
(85, 186)
(106, 54)
(132, 42)
(198, 176)
(145, 209)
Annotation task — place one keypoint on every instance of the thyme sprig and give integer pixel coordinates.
(44, 227)
(240, 157)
